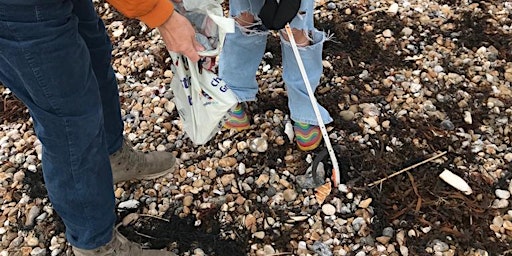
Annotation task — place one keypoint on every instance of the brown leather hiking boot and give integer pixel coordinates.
(120, 246)
(129, 164)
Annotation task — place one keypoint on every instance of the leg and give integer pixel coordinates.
(243, 50)
(92, 30)
(124, 165)
(310, 42)
(46, 63)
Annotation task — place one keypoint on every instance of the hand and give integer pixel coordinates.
(179, 36)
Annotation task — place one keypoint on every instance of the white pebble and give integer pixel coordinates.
(467, 117)
(393, 9)
(259, 234)
(129, 204)
(502, 194)
(328, 209)
(500, 203)
(508, 157)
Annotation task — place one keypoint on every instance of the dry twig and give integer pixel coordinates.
(406, 169)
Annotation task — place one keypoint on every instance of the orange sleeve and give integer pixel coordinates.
(152, 12)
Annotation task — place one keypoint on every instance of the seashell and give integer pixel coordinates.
(322, 192)
(456, 181)
(297, 219)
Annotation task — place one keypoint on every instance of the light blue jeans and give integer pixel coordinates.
(244, 49)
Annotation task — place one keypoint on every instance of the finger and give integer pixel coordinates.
(191, 54)
(198, 46)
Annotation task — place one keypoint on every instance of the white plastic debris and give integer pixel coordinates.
(288, 129)
(129, 204)
(456, 181)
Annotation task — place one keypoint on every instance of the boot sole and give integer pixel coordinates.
(149, 176)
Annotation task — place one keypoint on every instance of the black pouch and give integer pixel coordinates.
(275, 15)
(323, 156)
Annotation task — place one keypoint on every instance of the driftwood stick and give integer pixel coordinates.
(372, 11)
(406, 169)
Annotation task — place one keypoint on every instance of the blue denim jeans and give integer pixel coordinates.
(55, 56)
(244, 49)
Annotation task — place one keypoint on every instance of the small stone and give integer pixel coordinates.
(241, 168)
(130, 218)
(347, 115)
(331, 6)
(227, 162)
(404, 250)
(326, 64)
(502, 194)
(268, 249)
(258, 145)
(250, 221)
(199, 252)
(38, 252)
(259, 234)
(328, 209)
(262, 180)
(440, 246)
(240, 200)
(226, 179)
(508, 157)
(406, 31)
(129, 204)
(188, 200)
(498, 221)
(383, 239)
(426, 229)
(169, 106)
(467, 117)
(168, 73)
(31, 215)
(198, 183)
(507, 225)
(387, 33)
(495, 228)
(447, 125)
(500, 203)
(19, 176)
(365, 203)
(32, 241)
(508, 75)
(371, 121)
(289, 195)
(388, 231)
(321, 249)
(393, 9)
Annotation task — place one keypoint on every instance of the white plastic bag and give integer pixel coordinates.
(201, 97)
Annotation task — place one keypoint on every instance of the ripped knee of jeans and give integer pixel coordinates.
(312, 38)
(302, 37)
(249, 24)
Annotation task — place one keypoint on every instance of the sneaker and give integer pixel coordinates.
(129, 164)
(120, 246)
(308, 136)
(237, 119)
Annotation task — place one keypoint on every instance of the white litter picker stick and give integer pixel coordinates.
(336, 171)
